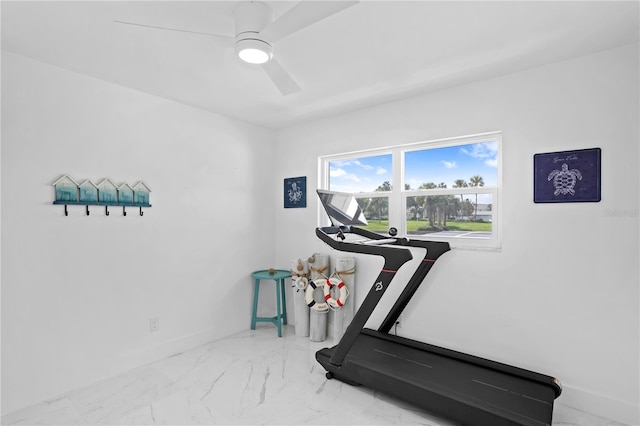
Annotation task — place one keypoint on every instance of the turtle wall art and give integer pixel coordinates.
(567, 176)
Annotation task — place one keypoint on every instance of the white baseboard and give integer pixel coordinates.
(624, 412)
(102, 369)
(163, 349)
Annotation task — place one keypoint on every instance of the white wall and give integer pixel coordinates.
(561, 297)
(78, 291)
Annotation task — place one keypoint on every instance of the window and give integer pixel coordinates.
(439, 190)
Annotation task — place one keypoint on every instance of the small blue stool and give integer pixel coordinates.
(281, 304)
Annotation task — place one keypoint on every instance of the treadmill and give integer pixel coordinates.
(458, 386)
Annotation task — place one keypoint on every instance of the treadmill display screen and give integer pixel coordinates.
(342, 208)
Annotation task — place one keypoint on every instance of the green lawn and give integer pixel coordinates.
(413, 225)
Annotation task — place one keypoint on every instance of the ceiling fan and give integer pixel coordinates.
(256, 31)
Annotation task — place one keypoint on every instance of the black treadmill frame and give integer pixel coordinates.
(467, 410)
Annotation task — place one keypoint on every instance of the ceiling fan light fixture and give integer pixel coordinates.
(254, 51)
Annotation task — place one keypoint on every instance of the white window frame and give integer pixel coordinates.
(398, 196)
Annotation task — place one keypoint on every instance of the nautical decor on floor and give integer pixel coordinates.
(322, 304)
(345, 270)
(567, 176)
(319, 268)
(106, 193)
(300, 281)
(295, 192)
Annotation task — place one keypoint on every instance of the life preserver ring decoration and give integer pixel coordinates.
(342, 288)
(308, 296)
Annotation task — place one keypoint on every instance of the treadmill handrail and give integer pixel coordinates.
(390, 253)
(394, 258)
(434, 249)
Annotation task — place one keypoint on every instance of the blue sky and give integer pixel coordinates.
(363, 174)
(437, 165)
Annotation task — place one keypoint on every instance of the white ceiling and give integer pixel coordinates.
(370, 53)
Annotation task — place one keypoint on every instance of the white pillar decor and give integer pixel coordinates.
(300, 279)
(319, 269)
(345, 271)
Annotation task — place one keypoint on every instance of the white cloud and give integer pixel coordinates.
(449, 164)
(364, 166)
(493, 162)
(482, 150)
(343, 175)
(381, 171)
(335, 173)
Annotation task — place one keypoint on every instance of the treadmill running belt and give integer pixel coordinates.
(379, 363)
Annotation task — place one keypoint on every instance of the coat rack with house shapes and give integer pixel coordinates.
(106, 193)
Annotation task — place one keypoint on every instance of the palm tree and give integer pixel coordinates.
(467, 208)
(428, 207)
(386, 186)
(460, 183)
(411, 203)
(442, 204)
(476, 181)
(380, 205)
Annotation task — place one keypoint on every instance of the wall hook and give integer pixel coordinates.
(106, 194)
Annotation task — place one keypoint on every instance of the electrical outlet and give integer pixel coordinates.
(154, 325)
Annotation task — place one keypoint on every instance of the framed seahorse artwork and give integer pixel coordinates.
(295, 192)
(567, 176)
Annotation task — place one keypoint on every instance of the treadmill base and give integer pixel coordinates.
(456, 386)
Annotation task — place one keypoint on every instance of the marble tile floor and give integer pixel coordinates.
(251, 378)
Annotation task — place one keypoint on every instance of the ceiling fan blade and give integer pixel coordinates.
(302, 15)
(281, 78)
(224, 38)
